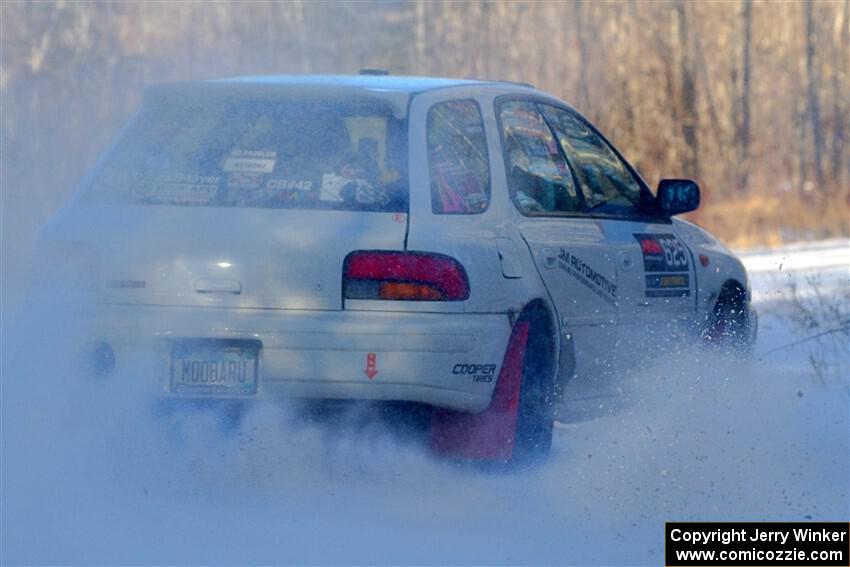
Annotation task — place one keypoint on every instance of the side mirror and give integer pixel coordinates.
(677, 196)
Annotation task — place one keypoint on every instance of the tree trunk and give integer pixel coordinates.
(419, 36)
(743, 164)
(584, 58)
(689, 119)
(840, 92)
(813, 101)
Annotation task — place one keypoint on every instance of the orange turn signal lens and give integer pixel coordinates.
(409, 291)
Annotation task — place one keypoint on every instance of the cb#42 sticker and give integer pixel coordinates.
(666, 264)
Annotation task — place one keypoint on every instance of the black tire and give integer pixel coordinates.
(730, 326)
(536, 411)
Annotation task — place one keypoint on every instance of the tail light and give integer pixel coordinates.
(404, 276)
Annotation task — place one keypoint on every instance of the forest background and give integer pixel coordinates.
(751, 98)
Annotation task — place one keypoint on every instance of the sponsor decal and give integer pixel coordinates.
(185, 194)
(588, 276)
(364, 193)
(478, 372)
(336, 188)
(180, 189)
(289, 185)
(331, 187)
(250, 161)
(665, 261)
(245, 180)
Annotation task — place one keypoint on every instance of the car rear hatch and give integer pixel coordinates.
(244, 197)
(181, 256)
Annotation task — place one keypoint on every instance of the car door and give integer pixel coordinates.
(571, 251)
(655, 272)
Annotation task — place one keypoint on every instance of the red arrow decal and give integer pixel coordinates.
(371, 365)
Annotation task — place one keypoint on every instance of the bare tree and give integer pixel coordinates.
(688, 98)
(813, 83)
(584, 55)
(743, 133)
(841, 96)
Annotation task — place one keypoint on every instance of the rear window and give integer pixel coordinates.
(339, 155)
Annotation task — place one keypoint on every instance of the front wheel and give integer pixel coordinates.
(732, 324)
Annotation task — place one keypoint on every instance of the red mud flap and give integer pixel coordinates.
(489, 434)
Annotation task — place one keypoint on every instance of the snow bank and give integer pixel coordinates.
(92, 474)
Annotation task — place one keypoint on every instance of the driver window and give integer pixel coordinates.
(606, 183)
(539, 178)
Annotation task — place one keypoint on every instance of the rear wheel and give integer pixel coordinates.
(535, 412)
(516, 428)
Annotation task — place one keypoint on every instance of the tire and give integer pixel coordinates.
(536, 410)
(732, 324)
(515, 430)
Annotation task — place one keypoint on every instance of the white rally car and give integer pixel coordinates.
(465, 245)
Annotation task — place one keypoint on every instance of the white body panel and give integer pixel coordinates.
(321, 354)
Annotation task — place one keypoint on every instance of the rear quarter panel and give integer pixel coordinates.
(471, 239)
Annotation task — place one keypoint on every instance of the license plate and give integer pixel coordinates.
(219, 367)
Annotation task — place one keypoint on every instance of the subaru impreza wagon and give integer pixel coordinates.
(464, 245)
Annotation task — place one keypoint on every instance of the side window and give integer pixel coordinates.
(606, 183)
(457, 158)
(539, 178)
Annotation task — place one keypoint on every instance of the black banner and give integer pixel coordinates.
(692, 544)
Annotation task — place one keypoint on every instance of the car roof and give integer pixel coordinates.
(397, 83)
(396, 90)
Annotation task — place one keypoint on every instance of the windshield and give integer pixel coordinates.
(259, 153)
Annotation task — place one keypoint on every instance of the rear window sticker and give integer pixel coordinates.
(244, 180)
(331, 188)
(179, 189)
(193, 179)
(364, 193)
(184, 193)
(336, 188)
(289, 185)
(255, 161)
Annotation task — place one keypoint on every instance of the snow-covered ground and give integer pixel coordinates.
(89, 475)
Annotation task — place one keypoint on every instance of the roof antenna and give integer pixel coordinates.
(371, 71)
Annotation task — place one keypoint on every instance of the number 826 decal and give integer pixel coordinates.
(662, 253)
(665, 264)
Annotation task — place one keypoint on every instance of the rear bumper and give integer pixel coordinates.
(422, 357)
